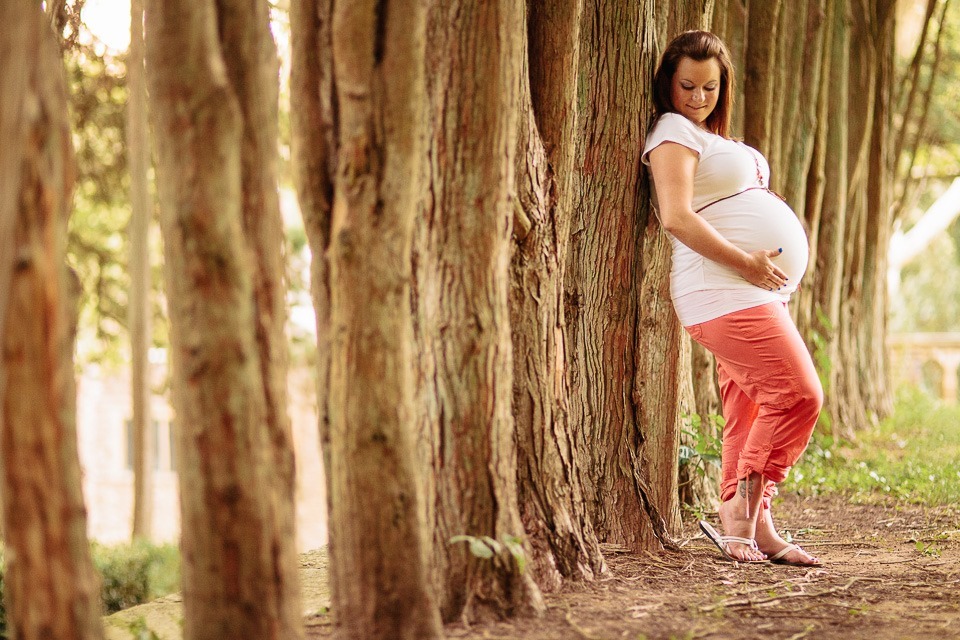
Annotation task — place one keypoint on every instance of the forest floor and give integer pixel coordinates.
(891, 572)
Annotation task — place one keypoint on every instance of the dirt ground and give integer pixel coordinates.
(891, 573)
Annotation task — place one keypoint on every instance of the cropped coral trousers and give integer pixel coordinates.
(770, 391)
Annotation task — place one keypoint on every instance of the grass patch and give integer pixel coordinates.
(909, 457)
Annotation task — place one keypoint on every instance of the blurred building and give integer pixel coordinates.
(106, 457)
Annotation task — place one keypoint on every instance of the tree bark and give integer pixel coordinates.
(852, 411)
(550, 496)
(827, 282)
(234, 576)
(620, 327)
(880, 220)
(463, 334)
(138, 158)
(51, 587)
(730, 23)
(801, 126)
(250, 55)
(313, 122)
(378, 69)
(699, 481)
(760, 72)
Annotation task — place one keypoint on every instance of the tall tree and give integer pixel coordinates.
(759, 71)
(51, 588)
(879, 223)
(830, 213)
(239, 569)
(626, 368)
(250, 55)
(551, 497)
(138, 153)
(313, 121)
(462, 257)
(379, 95)
(358, 151)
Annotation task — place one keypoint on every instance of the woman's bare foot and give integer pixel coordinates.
(738, 517)
(769, 542)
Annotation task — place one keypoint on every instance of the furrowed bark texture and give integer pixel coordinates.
(551, 498)
(378, 556)
(50, 585)
(862, 87)
(730, 23)
(233, 572)
(463, 332)
(612, 295)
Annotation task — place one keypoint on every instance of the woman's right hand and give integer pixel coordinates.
(760, 271)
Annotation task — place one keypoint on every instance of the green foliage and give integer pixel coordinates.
(131, 574)
(136, 573)
(929, 295)
(140, 631)
(706, 442)
(486, 548)
(97, 241)
(97, 244)
(908, 457)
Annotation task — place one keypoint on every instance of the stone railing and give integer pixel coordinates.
(930, 360)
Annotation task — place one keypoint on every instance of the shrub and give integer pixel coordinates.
(131, 574)
(136, 573)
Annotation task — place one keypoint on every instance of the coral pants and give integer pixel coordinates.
(770, 391)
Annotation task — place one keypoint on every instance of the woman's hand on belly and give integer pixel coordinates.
(759, 270)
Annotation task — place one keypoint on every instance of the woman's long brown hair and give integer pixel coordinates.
(699, 46)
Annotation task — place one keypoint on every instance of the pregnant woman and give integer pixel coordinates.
(738, 254)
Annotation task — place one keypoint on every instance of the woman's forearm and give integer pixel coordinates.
(698, 234)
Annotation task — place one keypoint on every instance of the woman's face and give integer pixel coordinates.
(696, 88)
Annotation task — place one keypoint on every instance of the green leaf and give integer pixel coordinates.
(515, 546)
(478, 547)
(493, 544)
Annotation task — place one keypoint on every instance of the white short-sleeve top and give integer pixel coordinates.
(730, 192)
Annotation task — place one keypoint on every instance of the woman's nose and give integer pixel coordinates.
(698, 95)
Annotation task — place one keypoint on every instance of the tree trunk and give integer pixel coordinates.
(827, 278)
(699, 479)
(804, 306)
(234, 576)
(730, 23)
(379, 560)
(252, 67)
(852, 410)
(801, 126)
(51, 588)
(551, 498)
(760, 72)
(138, 154)
(463, 335)
(313, 123)
(621, 328)
(880, 221)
